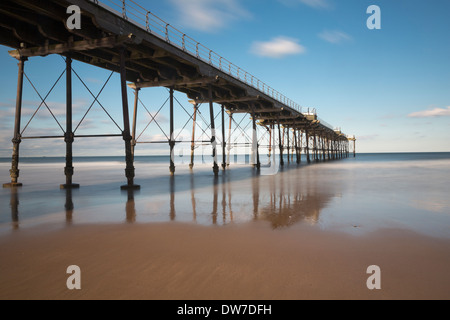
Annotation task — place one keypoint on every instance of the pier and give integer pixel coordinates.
(125, 38)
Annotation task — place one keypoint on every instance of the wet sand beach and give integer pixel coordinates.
(177, 261)
(307, 232)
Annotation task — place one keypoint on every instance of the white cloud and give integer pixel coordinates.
(277, 47)
(310, 3)
(209, 15)
(334, 36)
(436, 112)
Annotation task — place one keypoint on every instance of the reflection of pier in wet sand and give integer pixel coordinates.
(289, 197)
(279, 199)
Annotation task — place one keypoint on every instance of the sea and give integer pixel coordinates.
(357, 195)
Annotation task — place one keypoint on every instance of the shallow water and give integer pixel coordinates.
(354, 195)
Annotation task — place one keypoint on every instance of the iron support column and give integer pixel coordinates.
(308, 159)
(288, 145)
(280, 144)
(14, 172)
(333, 156)
(319, 147)
(69, 136)
(296, 146)
(336, 155)
(224, 144)
(272, 145)
(294, 149)
(300, 143)
(229, 139)
(213, 131)
(315, 146)
(270, 142)
(171, 139)
(255, 144)
(337, 149)
(331, 148)
(133, 134)
(194, 120)
(328, 147)
(129, 170)
(323, 148)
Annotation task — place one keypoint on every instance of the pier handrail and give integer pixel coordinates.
(326, 124)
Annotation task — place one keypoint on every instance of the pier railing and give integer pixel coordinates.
(326, 124)
(148, 21)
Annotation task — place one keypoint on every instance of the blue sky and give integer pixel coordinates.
(389, 87)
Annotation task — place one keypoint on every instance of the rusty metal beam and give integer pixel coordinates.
(62, 48)
(202, 81)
